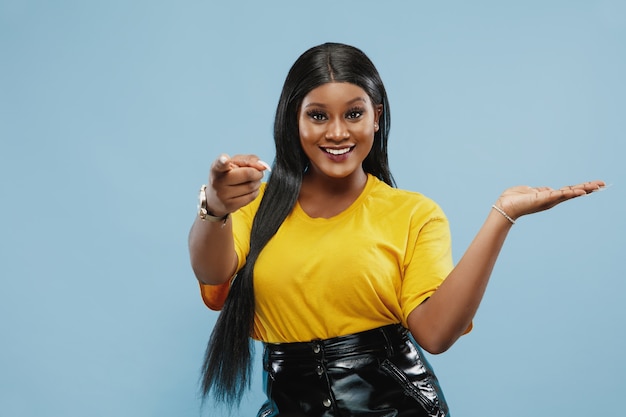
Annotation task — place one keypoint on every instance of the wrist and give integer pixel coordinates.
(205, 213)
(504, 214)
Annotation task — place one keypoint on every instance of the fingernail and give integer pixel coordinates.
(601, 188)
(223, 159)
(266, 165)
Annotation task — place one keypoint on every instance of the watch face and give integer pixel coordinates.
(202, 201)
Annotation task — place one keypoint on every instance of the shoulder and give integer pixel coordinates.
(397, 200)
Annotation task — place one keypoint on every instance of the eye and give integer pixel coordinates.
(317, 115)
(355, 113)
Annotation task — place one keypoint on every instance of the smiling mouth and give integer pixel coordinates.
(338, 151)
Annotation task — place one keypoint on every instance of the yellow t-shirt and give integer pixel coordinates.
(369, 266)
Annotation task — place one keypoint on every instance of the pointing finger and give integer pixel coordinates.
(222, 164)
(251, 161)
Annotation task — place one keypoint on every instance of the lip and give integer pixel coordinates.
(331, 152)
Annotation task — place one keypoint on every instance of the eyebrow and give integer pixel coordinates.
(354, 100)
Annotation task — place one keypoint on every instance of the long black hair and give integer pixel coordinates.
(227, 363)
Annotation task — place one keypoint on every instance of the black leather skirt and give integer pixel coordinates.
(379, 372)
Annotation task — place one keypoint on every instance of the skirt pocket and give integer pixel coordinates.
(420, 387)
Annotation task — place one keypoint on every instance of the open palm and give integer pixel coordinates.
(521, 200)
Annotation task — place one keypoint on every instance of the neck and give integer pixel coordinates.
(322, 196)
(336, 186)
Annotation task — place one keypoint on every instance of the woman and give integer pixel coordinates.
(342, 276)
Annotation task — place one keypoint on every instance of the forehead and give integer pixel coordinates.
(336, 93)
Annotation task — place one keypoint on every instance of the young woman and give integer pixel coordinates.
(343, 277)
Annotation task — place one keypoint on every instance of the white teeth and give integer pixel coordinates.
(337, 151)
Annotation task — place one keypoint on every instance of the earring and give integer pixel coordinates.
(375, 126)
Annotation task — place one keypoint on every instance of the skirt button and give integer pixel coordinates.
(326, 402)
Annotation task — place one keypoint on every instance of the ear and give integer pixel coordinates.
(378, 110)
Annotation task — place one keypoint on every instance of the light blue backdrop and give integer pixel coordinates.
(111, 112)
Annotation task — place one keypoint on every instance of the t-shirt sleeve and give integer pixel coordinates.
(214, 296)
(428, 261)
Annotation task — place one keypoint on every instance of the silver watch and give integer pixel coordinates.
(203, 211)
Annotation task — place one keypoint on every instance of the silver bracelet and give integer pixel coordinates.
(499, 210)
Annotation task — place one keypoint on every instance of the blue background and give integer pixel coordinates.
(111, 113)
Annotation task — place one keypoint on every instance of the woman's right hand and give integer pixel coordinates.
(233, 183)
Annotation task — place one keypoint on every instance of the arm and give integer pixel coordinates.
(439, 322)
(233, 183)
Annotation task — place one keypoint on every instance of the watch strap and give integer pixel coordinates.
(203, 211)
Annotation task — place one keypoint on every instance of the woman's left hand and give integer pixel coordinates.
(521, 200)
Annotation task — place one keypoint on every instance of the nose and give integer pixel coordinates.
(337, 130)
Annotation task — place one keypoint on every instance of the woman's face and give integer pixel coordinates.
(337, 122)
